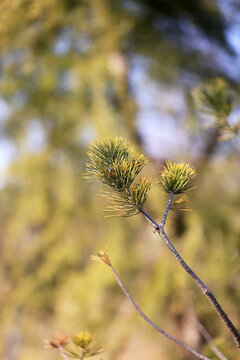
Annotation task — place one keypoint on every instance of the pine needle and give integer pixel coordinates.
(176, 178)
(114, 163)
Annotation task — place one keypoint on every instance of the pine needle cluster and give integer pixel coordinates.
(215, 98)
(180, 204)
(219, 101)
(114, 163)
(176, 178)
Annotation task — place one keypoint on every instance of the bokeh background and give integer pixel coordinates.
(77, 70)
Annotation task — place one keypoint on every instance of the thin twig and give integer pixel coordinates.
(63, 353)
(186, 347)
(166, 212)
(82, 355)
(206, 291)
(209, 340)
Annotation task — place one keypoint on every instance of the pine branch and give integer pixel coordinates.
(209, 340)
(205, 290)
(167, 210)
(217, 100)
(116, 165)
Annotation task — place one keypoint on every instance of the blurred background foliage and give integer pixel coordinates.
(73, 71)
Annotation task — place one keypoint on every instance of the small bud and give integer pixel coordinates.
(102, 256)
(59, 340)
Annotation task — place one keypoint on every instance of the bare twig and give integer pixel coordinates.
(63, 353)
(206, 291)
(186, 347)
(209, 340)
(167, 210)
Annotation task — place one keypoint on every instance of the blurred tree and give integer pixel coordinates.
(66, 70)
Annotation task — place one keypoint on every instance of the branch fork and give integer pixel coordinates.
(205, 290)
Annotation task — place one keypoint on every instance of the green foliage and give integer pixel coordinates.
(218, 99)
(114, 163)
(176, 178)
(215, 98)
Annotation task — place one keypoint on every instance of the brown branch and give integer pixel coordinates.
(186, 347)
(206, 291)
(209, 340)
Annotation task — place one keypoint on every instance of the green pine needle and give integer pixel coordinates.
(176, 178)
(180, 204)
(140, 190)
(114, 163)
(216, 99)
(128, 203)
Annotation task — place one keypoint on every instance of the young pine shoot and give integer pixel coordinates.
(116, 164)
(79, 346)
